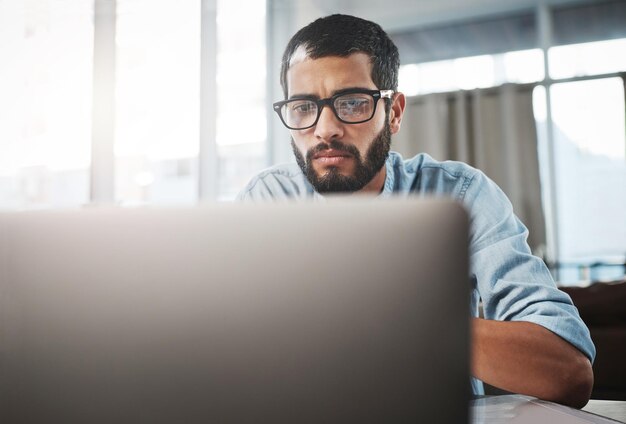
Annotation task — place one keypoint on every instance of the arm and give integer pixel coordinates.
(532, 340)
(524, 357)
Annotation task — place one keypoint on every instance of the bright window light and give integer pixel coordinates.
(46, 58)
(157, 101)
(427, 77)
(540, 104)
(468, 73)
(590, 153)
(241, 74)
(524, 66)
(241, 93)
(409, 79)
(591, 115)
(474, 72)
(599, 57)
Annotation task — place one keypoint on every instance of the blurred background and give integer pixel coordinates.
(168, 103)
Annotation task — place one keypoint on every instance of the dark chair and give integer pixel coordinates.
(603, 308)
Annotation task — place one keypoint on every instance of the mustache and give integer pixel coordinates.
(335, 145)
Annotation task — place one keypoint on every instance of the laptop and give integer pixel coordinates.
(520, 409)
(351, 310)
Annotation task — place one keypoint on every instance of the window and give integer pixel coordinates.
(587, 172)
(241, 86)
(600, 57)
(590, 171)
(46, 54)
(157, 102)
(590, 159)
(468, 73)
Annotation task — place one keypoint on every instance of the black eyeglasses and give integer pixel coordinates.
(350, 107)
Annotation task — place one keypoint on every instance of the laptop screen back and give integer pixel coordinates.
(344, 311)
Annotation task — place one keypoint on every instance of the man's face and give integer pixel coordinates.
(339, 157)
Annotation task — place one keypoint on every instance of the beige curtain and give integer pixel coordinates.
(491, 129)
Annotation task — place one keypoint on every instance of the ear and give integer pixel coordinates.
(396, 112)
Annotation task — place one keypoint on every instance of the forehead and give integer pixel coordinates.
(325, 75)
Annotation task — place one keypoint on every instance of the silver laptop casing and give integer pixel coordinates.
(351, 310)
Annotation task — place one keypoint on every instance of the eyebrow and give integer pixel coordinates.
(334, 93)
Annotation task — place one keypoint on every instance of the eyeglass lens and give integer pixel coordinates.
(355, 107)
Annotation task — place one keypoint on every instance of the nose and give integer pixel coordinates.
(328, 127)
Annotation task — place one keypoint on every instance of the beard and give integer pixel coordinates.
(332, 181)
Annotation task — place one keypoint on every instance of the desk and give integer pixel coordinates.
(528, 410)
(608, 408)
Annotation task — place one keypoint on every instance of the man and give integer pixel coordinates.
(339, 76)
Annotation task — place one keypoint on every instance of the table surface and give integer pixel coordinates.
(608, 408)
(520, 409)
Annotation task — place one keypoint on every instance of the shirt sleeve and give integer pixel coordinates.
(256, 190)
(515, 285)
(279, 183)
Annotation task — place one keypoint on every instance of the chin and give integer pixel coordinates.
(327, 170)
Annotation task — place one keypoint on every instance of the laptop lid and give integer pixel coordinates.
(351, 310)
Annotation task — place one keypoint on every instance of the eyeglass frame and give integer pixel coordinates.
(330, 102)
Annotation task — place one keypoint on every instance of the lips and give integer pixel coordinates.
(331, 155)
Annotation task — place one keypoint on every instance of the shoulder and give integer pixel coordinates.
(426, 175)
(425, 163)
(486, 204)
(276, 182)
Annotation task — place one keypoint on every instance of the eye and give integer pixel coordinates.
(354, 104)
(302, 107)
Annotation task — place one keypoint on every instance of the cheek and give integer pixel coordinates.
(380, 116)
(299, 141)
(364, 136)
(377, 123)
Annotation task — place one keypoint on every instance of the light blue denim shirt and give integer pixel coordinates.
(513, 284)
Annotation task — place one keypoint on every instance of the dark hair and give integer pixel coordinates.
(342, 35)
